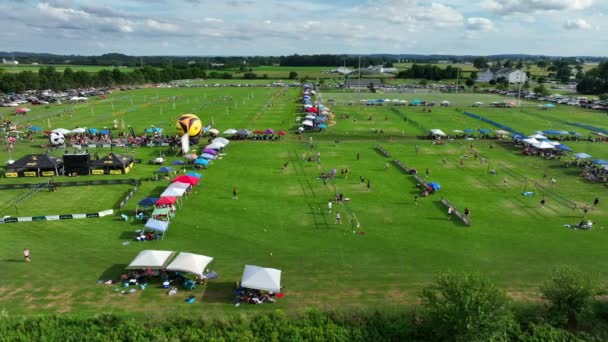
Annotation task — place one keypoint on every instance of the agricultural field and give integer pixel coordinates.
(384, 251)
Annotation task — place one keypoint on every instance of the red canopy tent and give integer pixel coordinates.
(312, 110)
(166, 200)
(281, 132)
(21, 110)
(186, 179)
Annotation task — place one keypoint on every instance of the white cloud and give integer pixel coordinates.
(577, 24)
(479, 24)
(161, 27)
(528, 6)
(213, 20)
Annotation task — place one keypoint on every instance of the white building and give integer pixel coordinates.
(511, 75)
(485, 76)
(4, 61)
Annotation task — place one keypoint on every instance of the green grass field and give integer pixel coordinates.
(280, 219)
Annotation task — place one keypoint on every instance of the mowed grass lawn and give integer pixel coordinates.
(281, 219)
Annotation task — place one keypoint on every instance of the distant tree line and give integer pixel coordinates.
(595, 81)
(334, 61)
(429, 72)
(50, 78)
(455, 307)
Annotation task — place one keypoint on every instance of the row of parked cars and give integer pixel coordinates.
(43, 97)
(580, 101)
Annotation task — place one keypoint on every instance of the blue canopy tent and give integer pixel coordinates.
(201, 161)
(563, 147)
(165, 169)
(518, 137)
(178, 162)
(468, 130)
(147, 202)
(93, 130)
(157, 226)
(153, 130)
(549, 105)
(434, 186)
(194, 174)
(582, 155)
(484, 130)
(207, 156)
(553, 132)
(35, 128)
(104, 132)
(600, 162)
(416, 102)
(322, 126)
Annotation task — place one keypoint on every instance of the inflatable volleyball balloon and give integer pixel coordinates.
(56, 139)
(189, 124)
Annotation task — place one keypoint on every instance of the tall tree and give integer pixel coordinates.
(467, 307)
(570, 293)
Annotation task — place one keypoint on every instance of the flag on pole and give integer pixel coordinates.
(185, 143)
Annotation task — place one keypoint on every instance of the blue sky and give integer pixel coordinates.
(281, 27)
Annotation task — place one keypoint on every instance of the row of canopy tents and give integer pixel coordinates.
(81, 130)
(317, 114)
(254, 277)
(160, 218)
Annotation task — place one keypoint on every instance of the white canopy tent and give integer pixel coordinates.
(215, 146)
(260, 278)
(151, 259)
(230, 131)
(190, 263)
(308, 123)
(502, 132)
(173, 191)
(310, 117)
(78, 130)
(62, 131)
(220, 140)
(530, 141)
(538, 136)
(157, 225)
(437, 132)
(180, 185)
(543, 145)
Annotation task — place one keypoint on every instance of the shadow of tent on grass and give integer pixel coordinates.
(220, 292)
(113, 272)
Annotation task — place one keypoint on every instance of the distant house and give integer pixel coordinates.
(485, 76)
(511, 75)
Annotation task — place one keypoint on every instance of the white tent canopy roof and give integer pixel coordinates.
(151, 259)
(530, 141)
(436, 131)
(173, 192)
(78, 130)
(543, 145)
(156, 225)
(308, 123)
(538, 136)
(259, 278)
(230, 131)
(62, 131)
(179, 185)
(503, 132)
(215, 146)
(190, 263)
(223, 141)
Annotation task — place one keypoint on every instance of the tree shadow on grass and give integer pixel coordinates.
(13, 260)
(113, 272)
(220, 292)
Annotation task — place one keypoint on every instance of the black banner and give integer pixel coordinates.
(66, 217)
(38, 218)
(10, 220)
(92, 215)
